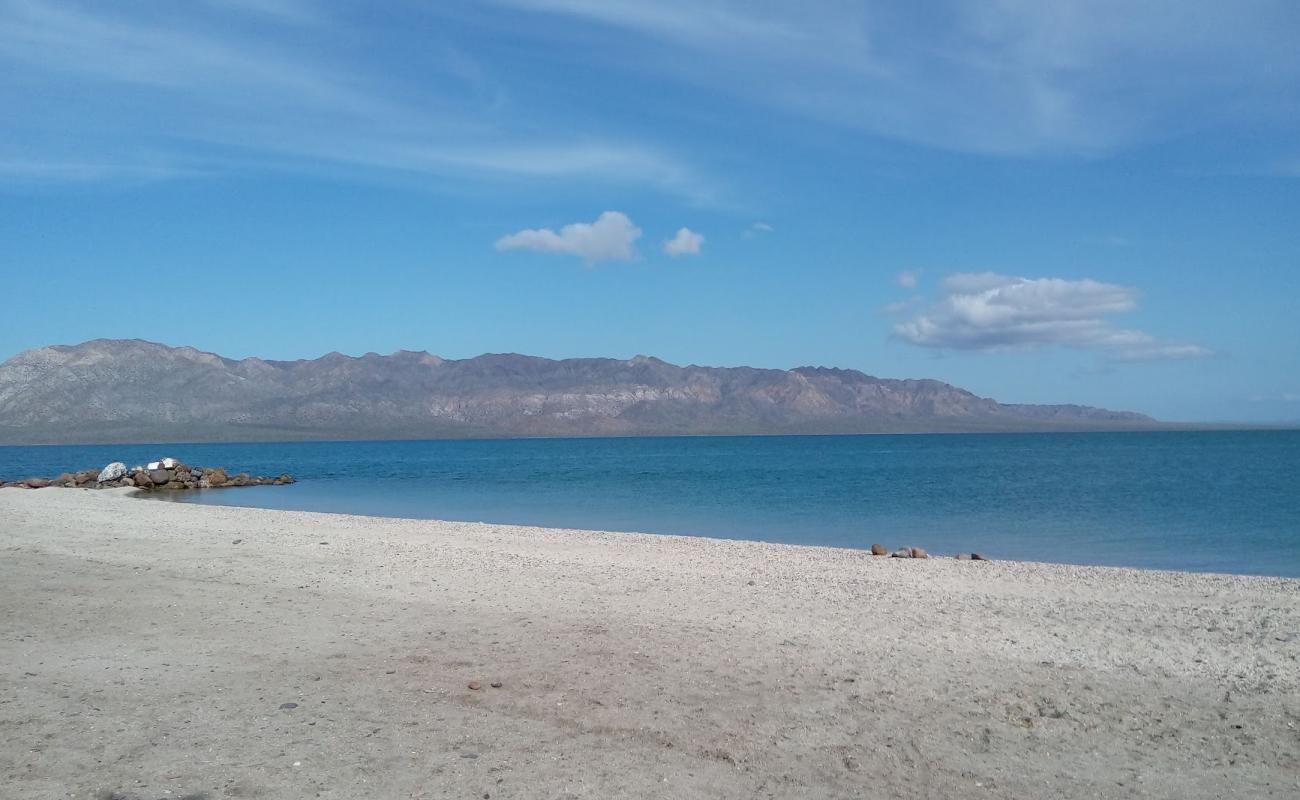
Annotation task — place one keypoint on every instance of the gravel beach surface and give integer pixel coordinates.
(158, 650)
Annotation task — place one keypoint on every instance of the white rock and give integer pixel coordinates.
(169, 463)
(112, 472)
(153, 465)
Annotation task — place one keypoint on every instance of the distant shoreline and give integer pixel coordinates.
(1172, 427)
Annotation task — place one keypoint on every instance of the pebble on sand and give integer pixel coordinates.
(475, 685)
(879, 550)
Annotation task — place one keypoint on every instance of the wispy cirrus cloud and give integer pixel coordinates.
(610, 238)
(1020, 77)
(230, 84)
(70, 172)
(991, 312)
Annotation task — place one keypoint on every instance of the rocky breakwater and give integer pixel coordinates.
(167, 474)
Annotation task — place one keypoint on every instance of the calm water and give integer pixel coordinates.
(1218, 501)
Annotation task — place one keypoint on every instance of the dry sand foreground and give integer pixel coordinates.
(149, 649)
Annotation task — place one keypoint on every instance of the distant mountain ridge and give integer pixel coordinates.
(110, 390)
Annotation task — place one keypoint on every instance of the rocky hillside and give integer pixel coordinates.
(131, 390)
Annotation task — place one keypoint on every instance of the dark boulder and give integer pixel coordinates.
(36, 483)
(159, 476)
(142, 480)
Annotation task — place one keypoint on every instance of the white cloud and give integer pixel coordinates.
(609, 238)
(686, 243)
(987, 311)
(757, 229)
(907, 279)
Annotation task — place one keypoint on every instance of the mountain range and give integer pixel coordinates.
(131, 390)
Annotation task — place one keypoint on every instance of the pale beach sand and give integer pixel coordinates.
(148, 647)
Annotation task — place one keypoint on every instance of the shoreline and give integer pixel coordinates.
(865, 549)
(152, 647)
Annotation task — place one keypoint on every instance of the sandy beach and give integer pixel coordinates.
(157, 650)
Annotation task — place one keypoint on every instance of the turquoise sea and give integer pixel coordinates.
(1224, 501)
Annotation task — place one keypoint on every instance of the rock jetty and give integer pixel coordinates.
(164, 474)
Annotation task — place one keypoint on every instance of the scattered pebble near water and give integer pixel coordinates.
(288, 706)
(475, 685)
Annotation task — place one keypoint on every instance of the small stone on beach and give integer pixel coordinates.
(919, 552)
(475, 685)
(287, 706)
(902, 552)
(879, 550)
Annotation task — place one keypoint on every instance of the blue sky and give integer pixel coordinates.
(1093, 202)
